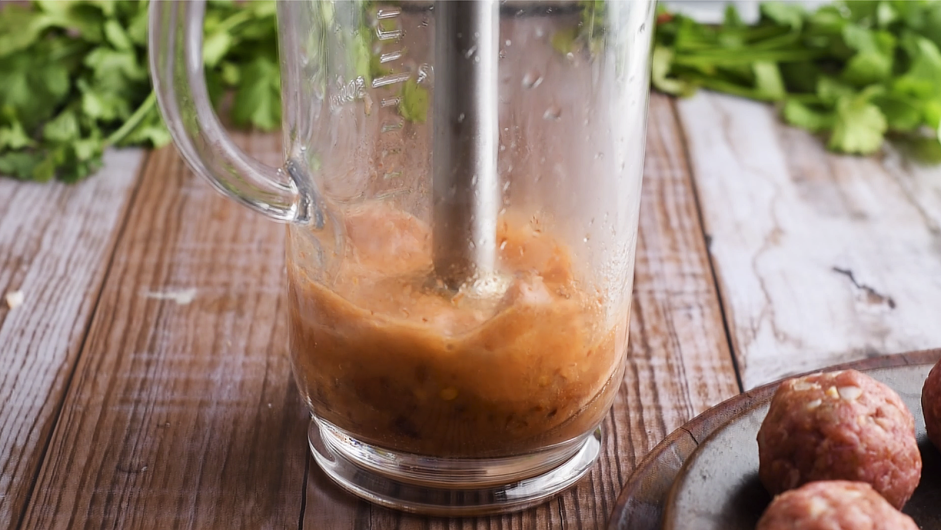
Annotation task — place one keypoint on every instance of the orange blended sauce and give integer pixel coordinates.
(383, 354)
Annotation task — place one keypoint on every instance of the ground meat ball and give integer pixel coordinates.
(833, 505)
(931, 404)
(839, 426)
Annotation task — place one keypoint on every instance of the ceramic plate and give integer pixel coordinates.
(705, 475)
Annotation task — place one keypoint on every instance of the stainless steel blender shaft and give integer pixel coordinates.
(465, 184)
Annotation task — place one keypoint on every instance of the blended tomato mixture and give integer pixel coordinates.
(384, 353)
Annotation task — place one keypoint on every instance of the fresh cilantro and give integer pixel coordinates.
(257, 100)
(75, 77)
(853, 71)
(660, 68)
(800, 115)
(75, 80)
(787, 14)
(858, 127)
(564, 41)
(589, 32)
(413, 105)
(13, 137)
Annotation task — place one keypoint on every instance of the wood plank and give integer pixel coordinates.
(679, 362)
(182, 412)
(821, 258)
(56, 241)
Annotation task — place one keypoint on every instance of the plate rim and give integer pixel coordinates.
(642, 500)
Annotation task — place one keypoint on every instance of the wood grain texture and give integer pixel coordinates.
(679, 362)
(821, 258)
(182, 412)
(56, 241)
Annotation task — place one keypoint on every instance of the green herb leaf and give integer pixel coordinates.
(19, 164)
(14, 137)
(661, 63)
(117, 36)
(215, 47)
(859, 126)
(19, 28)
(258, 99)
(855, 69)
(563, 41)
(64, 128)
(901, 113)
(413, 105)
(75, 80)
(784, 14)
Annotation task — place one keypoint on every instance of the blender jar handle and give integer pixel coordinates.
(176, 65)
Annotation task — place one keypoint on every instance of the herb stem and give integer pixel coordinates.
(744, 57)
(234, 20)
(132, 122)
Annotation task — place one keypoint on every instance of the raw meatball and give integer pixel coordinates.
(839, 426)
(833, 505)
(931, 404)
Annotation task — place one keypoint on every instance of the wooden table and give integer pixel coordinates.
(144, 382)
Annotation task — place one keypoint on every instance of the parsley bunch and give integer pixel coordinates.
(75, 80)
(851, 70)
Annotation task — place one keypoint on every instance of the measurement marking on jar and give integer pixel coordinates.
(392, 126)
(391, 56)
(391, 34)
(388, 13)
(390, 102)
(391, 175)
(390, 79)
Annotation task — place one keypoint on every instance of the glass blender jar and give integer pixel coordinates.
(460, 187)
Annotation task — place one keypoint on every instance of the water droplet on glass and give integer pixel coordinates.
(586, 238)
(470, 51)
(599, 155)
(509, 42)
(460, 118)
(553, 113)
(425, 71)
(539, 32)
(502, 53)
(476, 58)
(532, 79)
(570, 56)
(502, 147)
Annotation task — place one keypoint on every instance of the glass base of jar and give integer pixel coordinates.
(450, 486)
